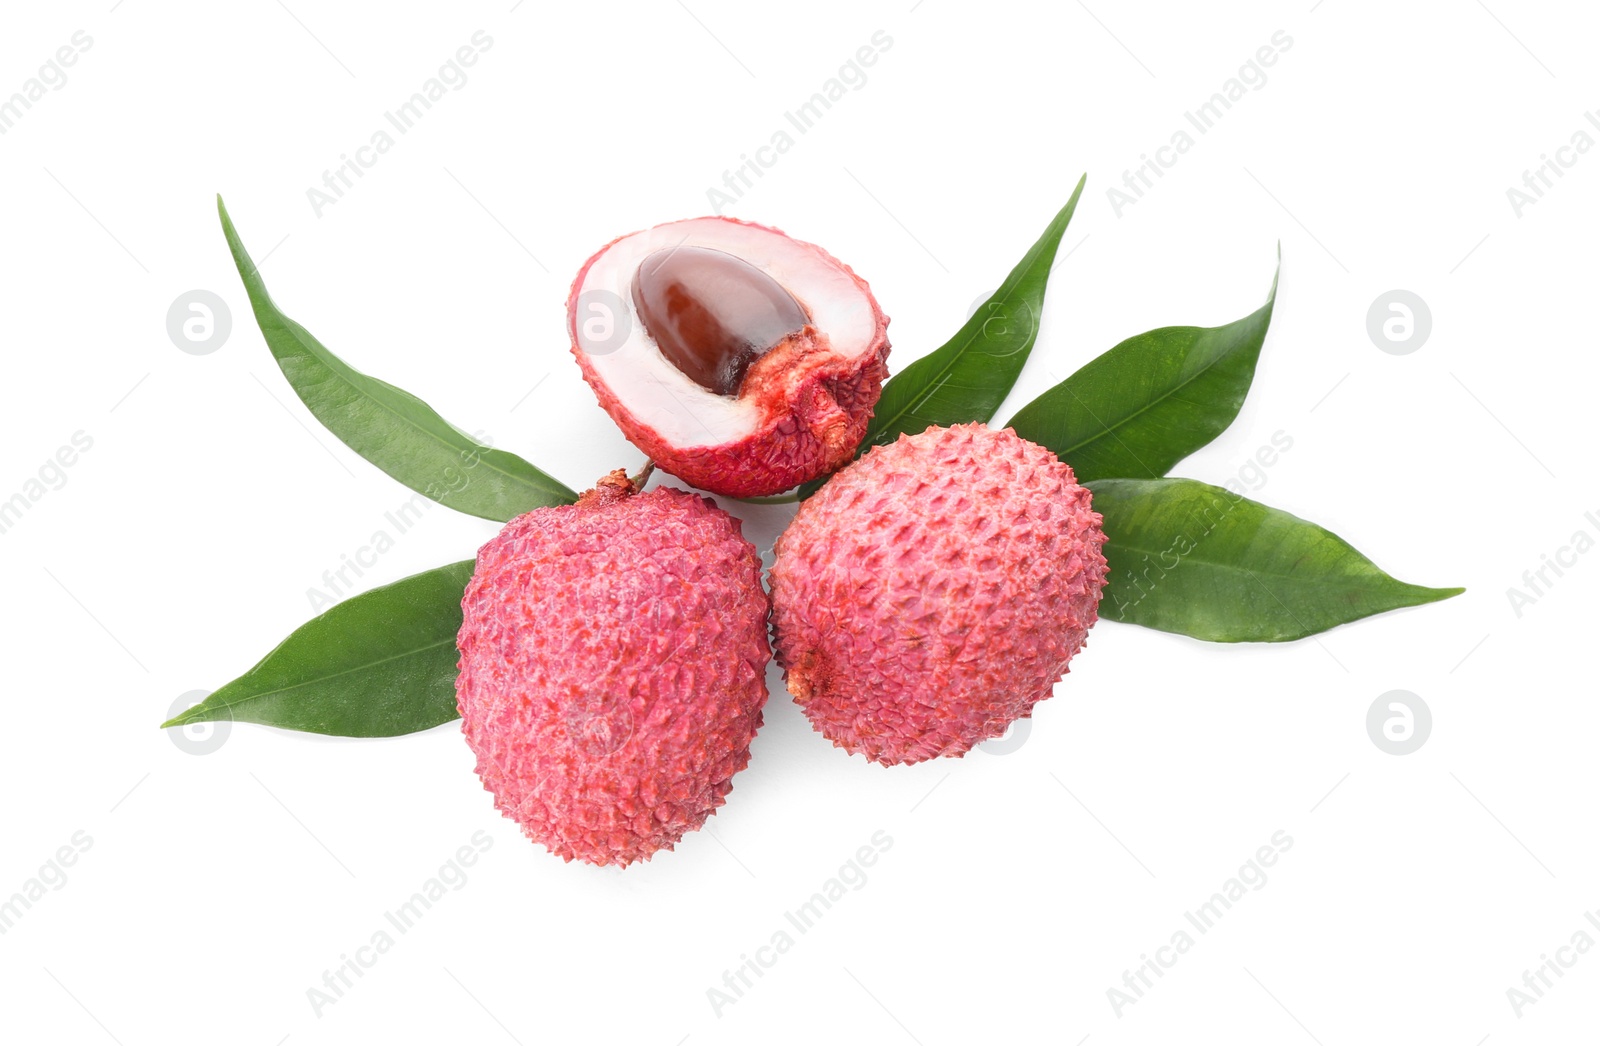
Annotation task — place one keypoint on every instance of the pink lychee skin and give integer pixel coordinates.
(814, 419)
(612, 672)
(930, 593)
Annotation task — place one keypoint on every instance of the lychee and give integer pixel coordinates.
(740, 360)
(930, 593)
(612, 672)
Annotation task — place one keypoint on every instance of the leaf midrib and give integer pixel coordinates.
(351, 382)
(1116, 426)
(1008, 288)
(257, 695)
(1325, 579)
(939, 382)
(261, 299)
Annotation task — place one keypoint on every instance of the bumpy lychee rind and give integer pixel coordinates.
(813, 417)
(929, 594)
(612, 671)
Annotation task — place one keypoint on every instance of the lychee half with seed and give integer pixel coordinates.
(612, 672)
(740, 360)
(933, 591)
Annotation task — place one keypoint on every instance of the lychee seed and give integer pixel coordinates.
(711, 314)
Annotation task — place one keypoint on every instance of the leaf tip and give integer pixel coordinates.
(1423, 594)
(197, 713)
(228, 231)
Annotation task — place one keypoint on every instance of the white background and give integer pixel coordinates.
(1019, 887)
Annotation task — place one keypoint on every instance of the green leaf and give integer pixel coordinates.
(377, 665)
(388, 426)
(969, 376)
(1151, 401)
(1202, 561)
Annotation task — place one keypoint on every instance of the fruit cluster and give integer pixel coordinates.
(607, 652)
(613, 652)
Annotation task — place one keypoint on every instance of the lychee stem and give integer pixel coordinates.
(643, 476)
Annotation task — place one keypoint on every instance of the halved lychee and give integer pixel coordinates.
(740, 360)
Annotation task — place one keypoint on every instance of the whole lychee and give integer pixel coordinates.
(740, 360)
(930, 593)
(612, 673)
